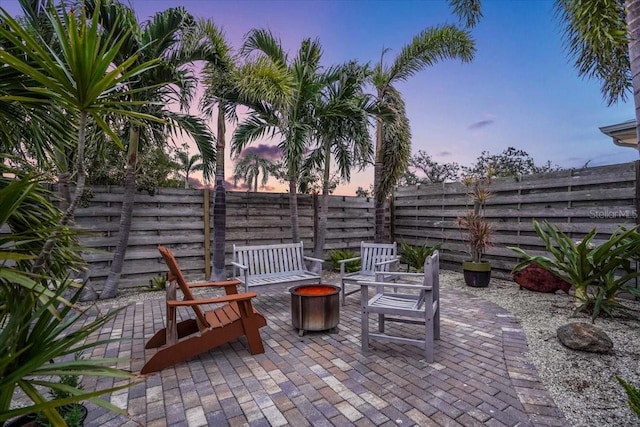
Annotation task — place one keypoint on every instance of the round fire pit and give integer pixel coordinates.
(315, 307)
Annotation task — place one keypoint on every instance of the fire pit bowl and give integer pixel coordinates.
(315, 307)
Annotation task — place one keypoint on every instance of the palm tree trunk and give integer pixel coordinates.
(110, 288)
(220, 204)
(633, 26)
(377, 178)
(324, 209)
(67, 217)
(293, 206)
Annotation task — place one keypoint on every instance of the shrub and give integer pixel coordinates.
(342, 254)
(415, 256)
(597, 272)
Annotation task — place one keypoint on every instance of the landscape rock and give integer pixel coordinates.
(584, 337)
(535, 278)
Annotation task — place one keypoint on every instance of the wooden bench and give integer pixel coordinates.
(272, 264)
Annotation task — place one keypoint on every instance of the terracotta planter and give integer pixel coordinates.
(477, 274)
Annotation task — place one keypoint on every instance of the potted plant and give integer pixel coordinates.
(477, 231)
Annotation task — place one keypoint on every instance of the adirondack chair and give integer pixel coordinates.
(374, 257)
(233, 317)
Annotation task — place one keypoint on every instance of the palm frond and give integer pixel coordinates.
(429, 47)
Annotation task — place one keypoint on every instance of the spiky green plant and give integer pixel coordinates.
(598, 273)
(341, 254)
(415, 256)
(40, 329)
(633, 394)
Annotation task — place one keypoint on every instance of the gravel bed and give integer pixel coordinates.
(583, 385)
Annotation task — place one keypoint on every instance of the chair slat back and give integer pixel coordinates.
(371, 253)
(176, 274)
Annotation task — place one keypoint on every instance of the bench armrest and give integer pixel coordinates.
(241, 266)
(313, 259)
(343, 261)
(228, 298)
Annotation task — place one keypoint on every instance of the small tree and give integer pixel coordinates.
(511, 162)
(434, 172)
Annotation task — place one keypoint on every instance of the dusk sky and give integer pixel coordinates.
(521, 89)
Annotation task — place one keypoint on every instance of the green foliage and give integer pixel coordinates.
(596, 38)
(597, 272)
(340, 254)
(73, 413)
(511, 162)
(633, 394)
(39, 328)
(415, 256)
(433, 171)
(158, 283)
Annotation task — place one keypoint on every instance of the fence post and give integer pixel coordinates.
(316, 219)
(207, 233)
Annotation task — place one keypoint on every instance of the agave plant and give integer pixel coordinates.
(597, 272)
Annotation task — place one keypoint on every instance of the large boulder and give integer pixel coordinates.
(584, 337)
(535, 278)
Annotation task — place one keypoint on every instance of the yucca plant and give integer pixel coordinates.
(415, 256)
(40, 329)
(598, 273)
(340, 254)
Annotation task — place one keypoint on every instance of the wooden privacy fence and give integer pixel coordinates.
(575, 200)
(182, 220)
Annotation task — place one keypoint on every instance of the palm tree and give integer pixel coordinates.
(161, 38)
(392, 149)
(281, 92)
(249, 167)
(342, 117)
(603, 39)
(77, 75)
(220, 96)
(188, 164)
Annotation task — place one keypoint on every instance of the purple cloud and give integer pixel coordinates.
(271, 152)
(480, 124)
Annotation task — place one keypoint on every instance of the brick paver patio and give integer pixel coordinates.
(482, 375)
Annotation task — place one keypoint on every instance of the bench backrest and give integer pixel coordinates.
(266, 260)
(371, 253)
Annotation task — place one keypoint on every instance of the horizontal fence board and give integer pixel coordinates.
(576, 201)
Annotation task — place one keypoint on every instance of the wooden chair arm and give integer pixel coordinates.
(397, 285)
(228, 298)
(397, 274)
(313, 259)
(220, 284)
(389, 261)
